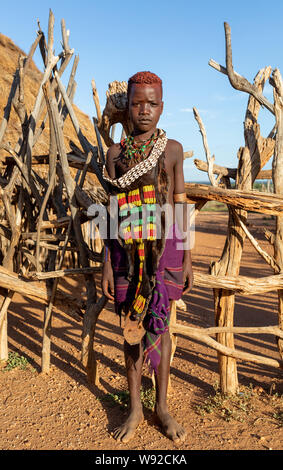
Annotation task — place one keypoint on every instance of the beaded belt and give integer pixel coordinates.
(131, 203)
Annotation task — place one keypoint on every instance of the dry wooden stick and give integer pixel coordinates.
(15, 222)
(74, 160)
(240, 330)
(33, 48)
(18, 100)
(64, 272)
(72, 75)
(42, 44)
(52, 173)
(198, 335)
(8, 208)
(87, 351)
(242, 285)
(37, 110)
(10, 280)
(260, 148)
(37, 107)
(230, 172)
(96, 102)
(83, 140)
(87, 147)
(4, 309)
(71, 88)
(269, 259)
(210, 159)
(13, 282)
(7, 109)
(51, 237)
(50, 247)
(65, 61)
(50, 43)
(266, 203)
(52, 157)
(8, 261)
(98, 138)
(4, 325)
(52, 223)
(47, 318)
(85, 168)
(188, 154)
(65, 37)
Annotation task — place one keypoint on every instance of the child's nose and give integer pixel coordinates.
(144, 108)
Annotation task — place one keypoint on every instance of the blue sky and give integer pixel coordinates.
(174, 39)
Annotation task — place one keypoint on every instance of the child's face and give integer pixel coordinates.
(145, 106)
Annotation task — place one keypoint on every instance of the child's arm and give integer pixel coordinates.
(179, 193)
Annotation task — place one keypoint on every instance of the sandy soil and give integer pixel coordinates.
(60, 410)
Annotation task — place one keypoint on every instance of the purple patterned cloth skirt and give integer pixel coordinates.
(168, 286)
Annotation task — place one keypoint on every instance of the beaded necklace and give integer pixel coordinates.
(142, 167)
(135, 151)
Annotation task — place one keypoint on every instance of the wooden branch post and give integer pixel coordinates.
(277, 175)
(251, 158)
(224, 300)
(4, 328)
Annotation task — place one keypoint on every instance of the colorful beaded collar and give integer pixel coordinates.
(134, 150)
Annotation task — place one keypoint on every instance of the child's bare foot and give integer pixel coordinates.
(126, 431)
(171, 428)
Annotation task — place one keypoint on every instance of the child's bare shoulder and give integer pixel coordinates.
(111, 157)
(174, 145)
(113, 151)
(174, 148)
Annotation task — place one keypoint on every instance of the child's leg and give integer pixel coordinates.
(171, 428)
(134, 361)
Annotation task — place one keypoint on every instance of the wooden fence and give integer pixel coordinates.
(42, 216)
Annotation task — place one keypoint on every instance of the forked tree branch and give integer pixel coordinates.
(238, 81)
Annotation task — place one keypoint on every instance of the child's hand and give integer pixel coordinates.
(188, 277)
(107, 282)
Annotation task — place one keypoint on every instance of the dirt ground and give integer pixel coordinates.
(61, 411)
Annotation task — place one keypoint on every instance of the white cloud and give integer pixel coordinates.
(224, 98)
(208, 113)
(190, 110)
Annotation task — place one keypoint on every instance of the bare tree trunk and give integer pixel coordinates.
(277, 174)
